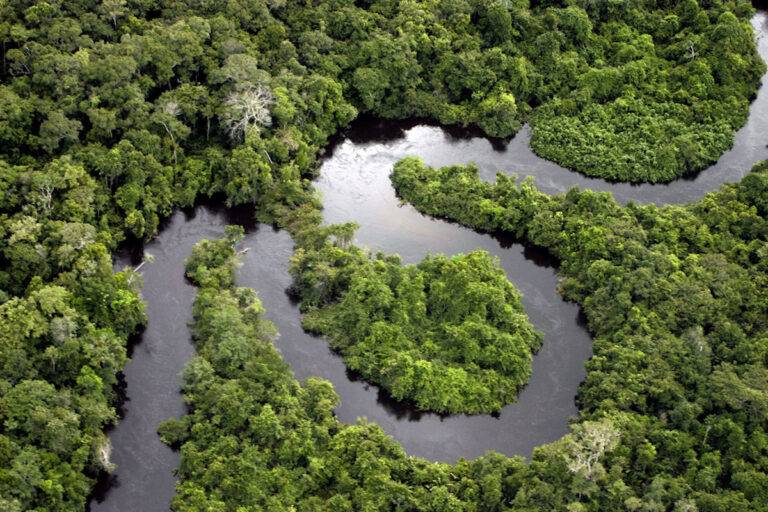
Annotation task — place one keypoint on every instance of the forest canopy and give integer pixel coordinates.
(677, 299)
(448, 334)
(635, 90)
(672, 413)
(115, 112)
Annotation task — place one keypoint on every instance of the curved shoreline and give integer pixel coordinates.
(354, 180)
(440, 146)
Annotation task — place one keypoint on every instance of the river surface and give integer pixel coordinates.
(371, 141)
(355, 187)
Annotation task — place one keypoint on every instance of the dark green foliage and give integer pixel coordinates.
(211, 262)
(257, 439)
(448, 334)
(645, 91)
(64, 322)
(673, 408)
(113, 113)
(658, 94)
(677, 298)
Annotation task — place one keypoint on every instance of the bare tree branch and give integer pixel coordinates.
(172, 110)
(246, 108)
(691, 50)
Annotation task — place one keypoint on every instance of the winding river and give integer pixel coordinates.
(355, 186)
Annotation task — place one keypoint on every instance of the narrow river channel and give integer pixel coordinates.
(354, 182)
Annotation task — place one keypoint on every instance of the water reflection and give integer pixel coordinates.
(439, 146)
(354, 182)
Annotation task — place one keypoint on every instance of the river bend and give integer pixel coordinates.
(355, 187)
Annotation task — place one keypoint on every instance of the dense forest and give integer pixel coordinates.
(677, 298)
(448, 334)
(259, 440)
(674, 411)
(114, 112)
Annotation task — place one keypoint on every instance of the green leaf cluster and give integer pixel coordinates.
(448, 334)
(676, 297)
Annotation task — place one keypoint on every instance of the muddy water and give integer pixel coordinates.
(355, 187)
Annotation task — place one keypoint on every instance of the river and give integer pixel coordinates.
(354, 183)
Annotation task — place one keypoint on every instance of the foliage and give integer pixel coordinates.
(677, 299)
(659, 96)
(64, 322)
(672, 412)
(257, 439)
(645, 91)
(114, 112)
(448, 334)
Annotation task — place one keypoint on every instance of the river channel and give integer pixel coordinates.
(354, 183)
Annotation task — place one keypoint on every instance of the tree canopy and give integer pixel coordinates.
(448, 334)
(676, 297)
(672, 413)
(114, 112)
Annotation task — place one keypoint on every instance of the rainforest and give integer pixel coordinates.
(338, 255)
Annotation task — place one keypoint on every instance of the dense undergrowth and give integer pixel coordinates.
(448, 334)
(112, 113)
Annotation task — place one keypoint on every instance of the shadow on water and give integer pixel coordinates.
(439, 146)
(144, 477)
(355, 185)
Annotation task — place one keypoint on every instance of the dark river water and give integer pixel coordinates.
(375, 144)
(355, 187)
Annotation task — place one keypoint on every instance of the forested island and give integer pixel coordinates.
(115, 113)
(447, 334)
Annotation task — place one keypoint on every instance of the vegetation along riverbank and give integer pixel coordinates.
(114, 113)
